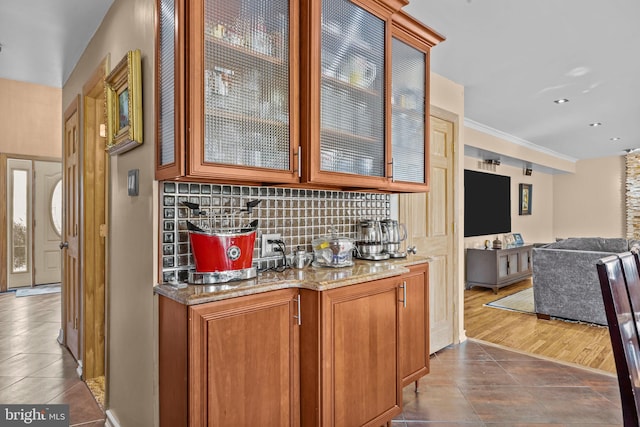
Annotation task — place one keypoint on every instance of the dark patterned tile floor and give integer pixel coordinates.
(473, 384)
(479, 384)
(34, 368)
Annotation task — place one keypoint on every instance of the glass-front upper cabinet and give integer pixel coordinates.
(240, 86)
(409, 98)
(352, 90)
(344, 92)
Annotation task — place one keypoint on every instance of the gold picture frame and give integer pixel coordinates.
(123, 95)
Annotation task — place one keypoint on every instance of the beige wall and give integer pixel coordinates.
(591, 202)
(534, 228)
(30, 119)
(131, 394)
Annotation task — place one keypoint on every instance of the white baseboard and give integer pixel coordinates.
(111, 421)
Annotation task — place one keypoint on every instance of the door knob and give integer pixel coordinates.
(64, 245)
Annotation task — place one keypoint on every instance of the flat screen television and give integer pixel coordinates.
(487, 203)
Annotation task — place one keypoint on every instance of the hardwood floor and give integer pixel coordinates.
(578, 343)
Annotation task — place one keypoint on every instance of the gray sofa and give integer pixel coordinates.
(565, 280)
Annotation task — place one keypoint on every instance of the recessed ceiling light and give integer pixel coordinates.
(595, 124)
(561, 101)
(615, 138)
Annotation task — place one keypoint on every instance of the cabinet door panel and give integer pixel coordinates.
(363, 341)
(414, 326)
(408, 118)
(514, 265)
(245, 364)
(352, 93)
(503, 265)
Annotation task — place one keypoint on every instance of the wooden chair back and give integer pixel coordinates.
(624, 336)
(630, 263)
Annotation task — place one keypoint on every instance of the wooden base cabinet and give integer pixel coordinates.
(349, 355)
(335, 358)
(231, 362)
(414, 324)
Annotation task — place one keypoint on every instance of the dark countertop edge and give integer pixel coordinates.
(187, 297)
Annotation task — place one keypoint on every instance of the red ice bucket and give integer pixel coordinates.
(214, 252)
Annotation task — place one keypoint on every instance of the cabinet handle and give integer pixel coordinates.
(299, 316)
(298, 163)
(404, 293)
(392, 178)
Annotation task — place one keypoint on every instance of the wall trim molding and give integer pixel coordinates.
(515, 140)
(111, 420)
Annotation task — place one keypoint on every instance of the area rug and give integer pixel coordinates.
(521, 301)
(38, 290)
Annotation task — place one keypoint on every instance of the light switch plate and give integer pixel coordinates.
(132, 182)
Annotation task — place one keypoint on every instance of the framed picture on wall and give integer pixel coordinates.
(123, 88)
(524, 208)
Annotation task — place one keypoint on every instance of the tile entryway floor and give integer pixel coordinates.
(477, 384)
(34, 368)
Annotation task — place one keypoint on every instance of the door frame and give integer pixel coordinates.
(94, 208)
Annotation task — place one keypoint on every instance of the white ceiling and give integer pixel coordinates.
(514, 58)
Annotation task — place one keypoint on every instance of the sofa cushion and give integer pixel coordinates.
(596, 244)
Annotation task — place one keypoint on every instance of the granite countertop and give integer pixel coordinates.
(314, 278)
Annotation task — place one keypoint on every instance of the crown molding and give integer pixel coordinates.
(515, 140)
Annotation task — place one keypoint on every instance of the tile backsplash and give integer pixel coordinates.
(299, 215)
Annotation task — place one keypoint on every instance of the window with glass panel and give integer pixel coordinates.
(19, 231)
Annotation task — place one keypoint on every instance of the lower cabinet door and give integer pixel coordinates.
(243, 368)
(360, 338)
(414, 325)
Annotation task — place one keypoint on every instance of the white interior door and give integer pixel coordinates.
(429, 218)
(19, 223)
(47, 228)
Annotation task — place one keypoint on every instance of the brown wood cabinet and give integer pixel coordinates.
(349, 355)
(227, 90)
(414, 324)
(248, 360)
(293, 92)
(230, 363)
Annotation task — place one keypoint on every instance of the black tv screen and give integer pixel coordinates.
(487, 203)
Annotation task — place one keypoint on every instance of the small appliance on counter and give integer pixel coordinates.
(223, 248)
(301, 258)
(333, 251)
(394, 234)
(370, 240)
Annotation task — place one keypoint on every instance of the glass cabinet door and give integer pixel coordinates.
(246, 83)
(352, 117)
(408, 112)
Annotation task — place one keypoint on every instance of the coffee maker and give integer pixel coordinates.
(394, 233)
(370, 240)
